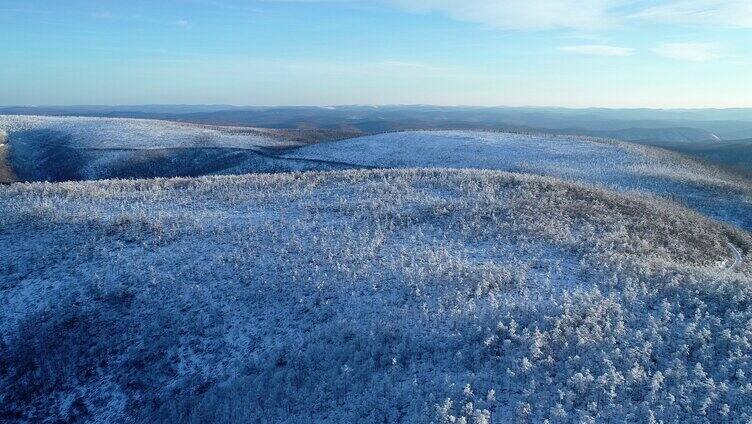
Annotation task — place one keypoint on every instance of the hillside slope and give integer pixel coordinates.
(367, 296)
(611, 164)
(6, 172)
(733, 154)
(71, 149)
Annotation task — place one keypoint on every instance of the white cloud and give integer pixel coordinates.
(183, 23)
(522, 14)
(695, 52)
(577, 15)
(598, 50)
(730, 13)
(587, 14)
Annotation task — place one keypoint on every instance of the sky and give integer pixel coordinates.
(571, 53)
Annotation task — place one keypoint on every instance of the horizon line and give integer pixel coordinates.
(374, 105)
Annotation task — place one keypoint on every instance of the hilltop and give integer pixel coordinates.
(412, 295)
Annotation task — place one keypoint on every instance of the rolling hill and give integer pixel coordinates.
(70, 149)
(734, 154)
(658, 124)
(616, 165)
(431, 276)
(367, 296)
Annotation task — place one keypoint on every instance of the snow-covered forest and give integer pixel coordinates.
(596, 282)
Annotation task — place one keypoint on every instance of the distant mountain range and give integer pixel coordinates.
(632, 124)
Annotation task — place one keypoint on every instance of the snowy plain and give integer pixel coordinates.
(591, 293)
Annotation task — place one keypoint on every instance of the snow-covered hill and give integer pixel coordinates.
(61, 149)
(65, 148)
(611, 164)
(489, 277)
(117, 133)
(368, 296)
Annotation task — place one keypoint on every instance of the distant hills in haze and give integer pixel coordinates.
(721, 136)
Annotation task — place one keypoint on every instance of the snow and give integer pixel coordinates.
(367, 296)
(511, 278)
(120, 133)
(63, 148)
(71, 148)
(614, 165)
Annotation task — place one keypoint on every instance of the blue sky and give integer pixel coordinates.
(576, 53)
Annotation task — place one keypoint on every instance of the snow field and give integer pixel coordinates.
(120, 133)
(368, 296)
(63, 149)
(74, 149)
(610, 164)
